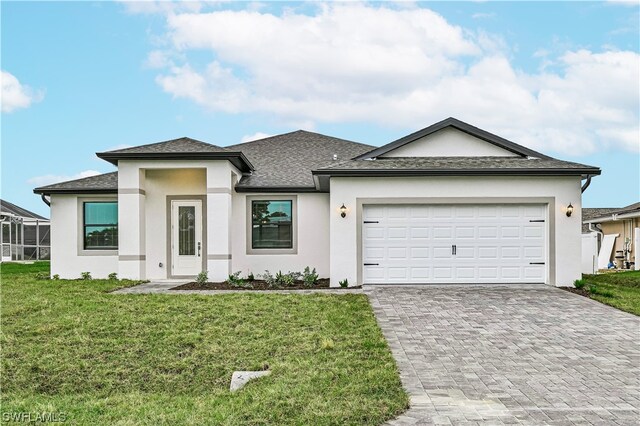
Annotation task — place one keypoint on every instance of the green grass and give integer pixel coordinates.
(618, 289)
(68, 346)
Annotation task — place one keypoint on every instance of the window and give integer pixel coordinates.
(271, 224)
(100, 225)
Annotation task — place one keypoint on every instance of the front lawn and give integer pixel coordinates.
(618, 289)
(69, 347)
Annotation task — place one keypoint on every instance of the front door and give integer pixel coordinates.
(186, 237)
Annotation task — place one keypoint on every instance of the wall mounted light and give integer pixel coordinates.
(569, 210)
(343, 210)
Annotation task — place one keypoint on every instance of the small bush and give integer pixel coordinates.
(42, 276)
(285, 280)
(327, 344)
(55, 277)
(234, 280)
(85, 276)
(113, 276)
(309, 277)
(579, 284)
(202, 277)
(269, 278)
(344, 283)
(250, 277)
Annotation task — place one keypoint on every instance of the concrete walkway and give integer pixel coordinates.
(487, 355)
(165, 286)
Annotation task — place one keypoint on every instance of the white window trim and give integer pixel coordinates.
(81, 250)
(294, 224)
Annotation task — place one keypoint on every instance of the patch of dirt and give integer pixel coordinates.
(581, 291)
(260, 285)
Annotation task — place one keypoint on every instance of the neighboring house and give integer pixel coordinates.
(25, 235)
(620, 235)
(448, 204)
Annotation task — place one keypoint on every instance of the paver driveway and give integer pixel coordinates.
(494, 355)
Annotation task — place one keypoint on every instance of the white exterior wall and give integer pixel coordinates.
(313, 213)
(66, 234)
(564, 240)
(449, 142)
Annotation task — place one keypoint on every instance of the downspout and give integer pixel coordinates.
(44, 199)
(586, 184)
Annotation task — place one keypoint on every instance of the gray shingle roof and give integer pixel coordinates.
(175, 149)
(605, 215)
(105, 183)
(287, 160)
(589, 213)
(171, 146)
(448, 165)
(7, 207)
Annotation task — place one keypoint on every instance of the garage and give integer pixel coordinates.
(461, 244)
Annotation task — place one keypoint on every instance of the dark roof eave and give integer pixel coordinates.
(49, 191)
(461, 126)
(276, 189)
(459, 172)
(238, 159)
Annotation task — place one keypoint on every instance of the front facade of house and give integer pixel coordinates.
(448, 204)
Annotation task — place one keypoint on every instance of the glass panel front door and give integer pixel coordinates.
(187, 249)
(187, 230)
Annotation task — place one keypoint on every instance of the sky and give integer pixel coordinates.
(83, 77)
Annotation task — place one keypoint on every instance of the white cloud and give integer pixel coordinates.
(15, 95)
(49, 179)
(481, 15)
(361, 63)
(254, 137)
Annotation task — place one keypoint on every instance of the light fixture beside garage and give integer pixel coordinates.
(343, 210)
(569, 210)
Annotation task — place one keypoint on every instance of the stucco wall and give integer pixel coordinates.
(564, 232)
(312, 244)
(66, 235)
(449, 143)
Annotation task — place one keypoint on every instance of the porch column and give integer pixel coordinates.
(131, 222)
(218, 221)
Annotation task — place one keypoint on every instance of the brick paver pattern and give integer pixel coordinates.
(496, 355)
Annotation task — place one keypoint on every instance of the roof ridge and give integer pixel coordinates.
(298, 131)
(183, 138)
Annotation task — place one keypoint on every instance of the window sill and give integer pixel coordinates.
(83, 252)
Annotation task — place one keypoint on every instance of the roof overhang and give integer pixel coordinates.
(614, 217)
(456, 172)
(276, 189)
(238, 159)
(79, 191)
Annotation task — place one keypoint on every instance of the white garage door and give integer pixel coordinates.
(454, 244)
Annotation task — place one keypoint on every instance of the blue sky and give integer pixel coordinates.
(82, 77)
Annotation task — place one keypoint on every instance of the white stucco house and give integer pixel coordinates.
(450, 203)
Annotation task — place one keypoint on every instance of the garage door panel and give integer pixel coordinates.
(494, 243)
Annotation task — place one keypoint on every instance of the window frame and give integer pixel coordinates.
(82, 250)
(294, 225)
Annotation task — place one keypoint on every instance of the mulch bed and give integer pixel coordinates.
(322, 284)
(581, 291)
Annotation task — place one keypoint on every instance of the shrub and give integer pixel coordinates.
(250, 277)
(309, 277)
(113, 276)
(285, 280)
(85, 276)
(42, 276)
(202, 277)
(344, 283)
(56, 277)
(269, 279)
(579, 284)
(234, 280)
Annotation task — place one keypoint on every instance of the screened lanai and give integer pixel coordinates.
(25, 235)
